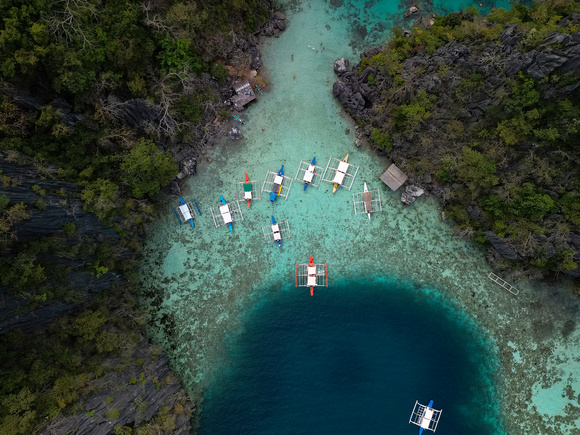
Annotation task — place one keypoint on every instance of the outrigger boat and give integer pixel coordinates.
(276, 232)
(248, 191)
(309, 174)
(345, 160)
(277, 185)
(429, 409)
(368, 205)
(186, 212)
(311, 274)
(225, 211)
(426, 417)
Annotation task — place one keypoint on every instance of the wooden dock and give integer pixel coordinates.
(503, 283)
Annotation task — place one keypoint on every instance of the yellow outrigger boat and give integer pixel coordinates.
(345, 160)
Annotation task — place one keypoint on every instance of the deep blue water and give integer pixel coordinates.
(351, 360)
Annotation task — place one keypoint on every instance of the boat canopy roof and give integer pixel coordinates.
(342, 167)
(184, 209)
(338, 178)
(225, 212)
(309, 175)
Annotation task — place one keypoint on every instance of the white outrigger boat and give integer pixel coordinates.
(367, 201)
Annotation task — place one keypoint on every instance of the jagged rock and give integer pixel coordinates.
(62, 207)
(62, 105)
(509, 36)
(70, 119)
(414, 191)
(341, 66)
(235, 133)
(136, 402)
(256, 58)
(174, 188)
(268, 30)
(411, 11)
(364, 76)
(475, 213)
(277, 23)
(574, 273)
(407, 198)
(575, 240)
(544, 64)
(28, 102)
(501, 246)
(139, 113)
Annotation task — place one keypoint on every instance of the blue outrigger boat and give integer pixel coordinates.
(276, 232)
(429, 408)
(186, 212)
(426, 417)
(226, 214)
(309, 174)
(277, 185)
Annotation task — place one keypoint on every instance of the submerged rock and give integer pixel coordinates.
(407, 198)
(235, 133)
(411, 11)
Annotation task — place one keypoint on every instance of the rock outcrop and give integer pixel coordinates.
(137, 393)
(501, 246)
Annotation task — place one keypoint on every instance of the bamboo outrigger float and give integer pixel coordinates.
(311, 275)
(187, 212)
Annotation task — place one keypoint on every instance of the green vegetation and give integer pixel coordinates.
(513, 163)
(95, 55)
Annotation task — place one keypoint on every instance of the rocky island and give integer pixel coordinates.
(483, 112)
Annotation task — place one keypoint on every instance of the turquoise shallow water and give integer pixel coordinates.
(202, 285)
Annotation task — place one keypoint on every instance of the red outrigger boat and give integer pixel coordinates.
(311, 275)
(248, 191)
(311, 264)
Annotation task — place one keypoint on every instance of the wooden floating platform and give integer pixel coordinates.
(503, 283)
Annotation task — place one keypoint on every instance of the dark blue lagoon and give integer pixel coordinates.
(352, 360)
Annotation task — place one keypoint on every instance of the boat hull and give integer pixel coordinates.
(335, 187)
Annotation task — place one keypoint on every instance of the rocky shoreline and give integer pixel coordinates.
(139, 390)
(444, 74)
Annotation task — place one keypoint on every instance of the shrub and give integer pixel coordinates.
(146, 169)
(476, 170)
(382, 139)
(113, 414)
(409, 116)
